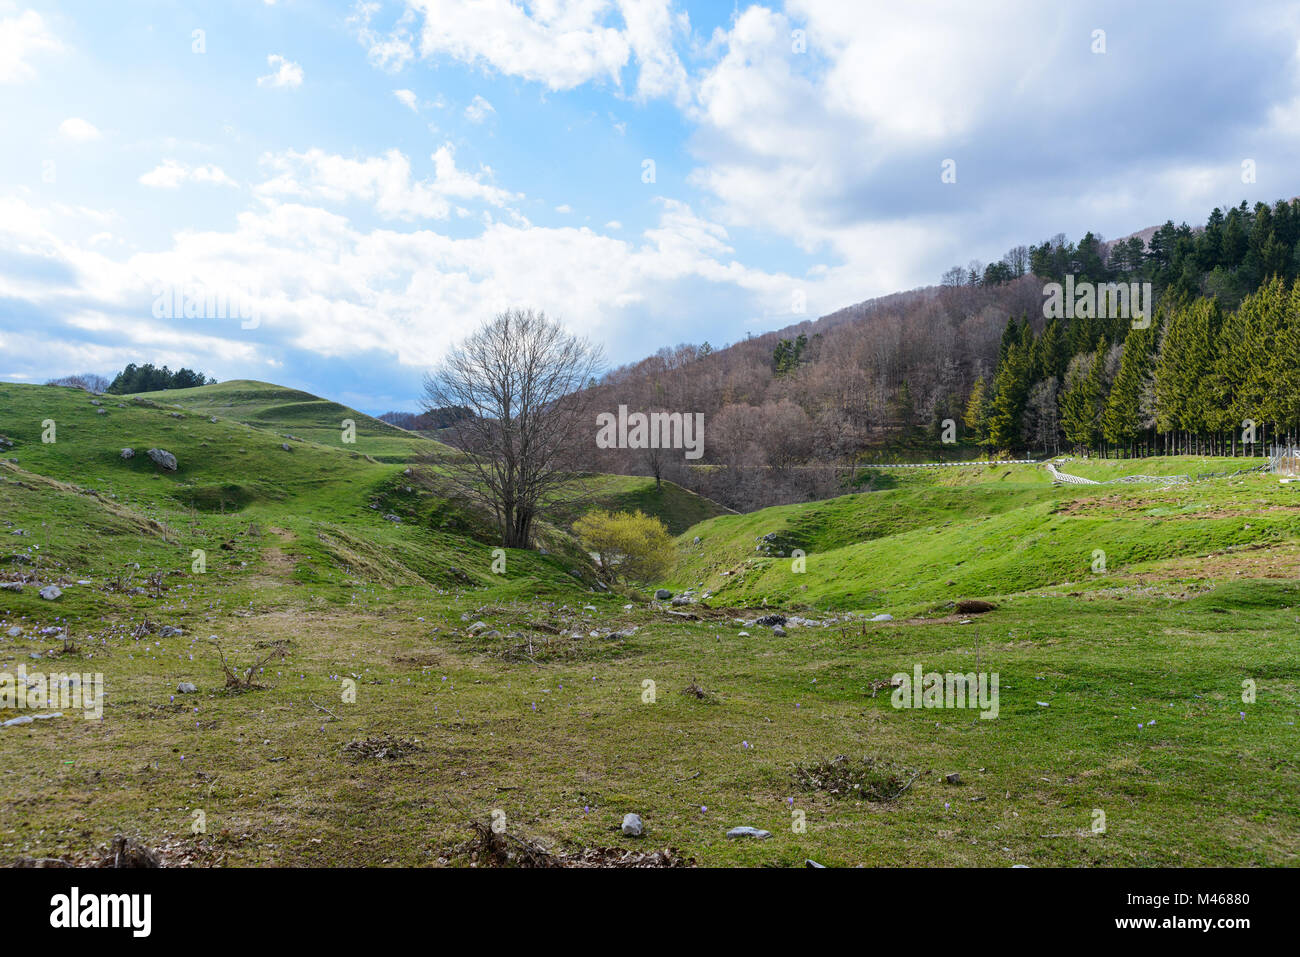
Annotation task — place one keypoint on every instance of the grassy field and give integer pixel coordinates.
(1120, 689)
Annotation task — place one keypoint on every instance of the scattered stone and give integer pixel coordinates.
(284, 446)
(163, 459)
(747, 831)
(663, 594)
(778, 631)
(811, 863)
(170, 631)
(770, 620)
(15, 631)
(478, 626)
(882, 618)
(101, 411)
(51, 592)
(953, 778)
(974, 606)
(21, 719)
(632, 825)
(128, 453)
(186, 687)
(390, 517)
(11, 586)
(589, 608)
(743, 634)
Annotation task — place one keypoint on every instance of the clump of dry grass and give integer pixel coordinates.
(381, 747)
(867, 778)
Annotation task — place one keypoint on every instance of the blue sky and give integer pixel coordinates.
(371, 180)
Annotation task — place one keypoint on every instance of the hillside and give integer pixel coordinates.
(399, 688)
(981, 532)
(235, 480)
(302, 414)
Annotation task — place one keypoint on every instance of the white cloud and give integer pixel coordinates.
(564, 208)
(388, 52)
(384, 181)
(285, 74)
(408, 99)
(560, 45)
(20, 38)
(170, 174)
(651, 26)
(78, 130)
(324, 287)
(478, 110)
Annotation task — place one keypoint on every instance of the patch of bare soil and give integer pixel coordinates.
(1252, 561)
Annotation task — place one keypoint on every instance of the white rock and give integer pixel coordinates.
(632, 825)
(882, 618)
(186, 687)
(747, 831)
(51, 592)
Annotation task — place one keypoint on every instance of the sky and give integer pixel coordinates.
(329, 195)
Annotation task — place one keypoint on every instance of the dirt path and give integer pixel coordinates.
(278, 568)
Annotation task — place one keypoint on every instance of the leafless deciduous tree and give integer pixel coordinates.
(521, 376)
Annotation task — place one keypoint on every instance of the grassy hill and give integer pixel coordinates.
(982, 532)
(337, 510)
(301, 414)
(327, 566)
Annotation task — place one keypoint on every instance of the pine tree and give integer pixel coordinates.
(1011, 387)
(1122, 419)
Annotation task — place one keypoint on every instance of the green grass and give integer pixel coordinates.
(676, 507)
(301, 414)
(1105, 470)
(547, 720)
(916, 547)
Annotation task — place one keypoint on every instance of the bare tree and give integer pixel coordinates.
(521, 376)
(89, 381)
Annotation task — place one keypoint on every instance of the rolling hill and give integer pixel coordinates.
(364, 685)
